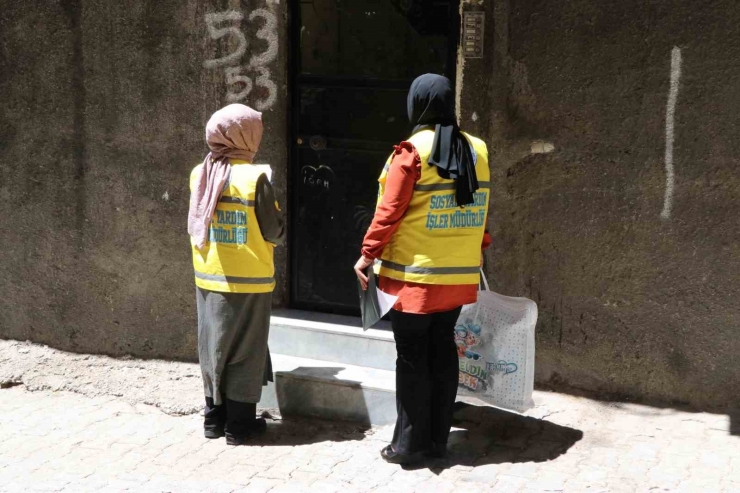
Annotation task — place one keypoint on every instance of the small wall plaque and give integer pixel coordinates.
(472, 34)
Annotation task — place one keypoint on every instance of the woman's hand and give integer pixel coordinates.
(360, 267)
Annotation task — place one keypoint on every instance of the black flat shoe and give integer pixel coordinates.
(437, 451)
(216, 432)
(259, 427)
(392, 457)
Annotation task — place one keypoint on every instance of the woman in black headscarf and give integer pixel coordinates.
(427, 234)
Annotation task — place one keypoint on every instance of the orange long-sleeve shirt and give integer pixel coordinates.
(399, 187)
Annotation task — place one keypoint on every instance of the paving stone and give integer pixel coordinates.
(320, 464)
(549, 481)
(259, 485)
(630, 467)
(328, 486)
(290, 488)
(394, 487)
(449, 474)
(112, 482)
(60, 442)
(279, 471)
(699, 486)
(481, 474)
(49, 485)
(85, 485)
(305, 478)
(509, 484)
(367, 480)
(730, 487)
(8, 474)
(526, 470)
(714, 460)
(732, 475)
(678, 461)
(590, 473)
(435, 485)
(345, 472)
(668, 471)
(134, 476)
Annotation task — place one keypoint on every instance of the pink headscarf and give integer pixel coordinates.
(234, 131)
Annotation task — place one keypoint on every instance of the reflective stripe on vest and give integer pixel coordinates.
(428, 270)
(234, 279)
(236, 200)
(447, 186)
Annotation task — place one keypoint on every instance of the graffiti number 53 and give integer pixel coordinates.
(239, 85)
(213, 21)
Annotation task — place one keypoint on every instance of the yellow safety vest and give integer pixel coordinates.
(438, 242)
(235, 258)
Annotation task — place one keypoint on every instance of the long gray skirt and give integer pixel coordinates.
(232, 344)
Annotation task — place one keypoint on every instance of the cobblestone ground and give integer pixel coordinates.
(66, 441)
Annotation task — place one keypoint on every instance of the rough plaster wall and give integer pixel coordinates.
(629, 304)
(102, 118)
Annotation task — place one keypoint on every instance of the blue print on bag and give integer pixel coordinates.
(471, 376)
(466, 337)
(501, 366)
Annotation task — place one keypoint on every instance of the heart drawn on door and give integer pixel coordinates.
(317, 178)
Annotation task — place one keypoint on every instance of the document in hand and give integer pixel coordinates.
(374, 303)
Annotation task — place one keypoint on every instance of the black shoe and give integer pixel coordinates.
(393, 457)
(259, 427)
(214, 418)
(437, 451)
(214, 432)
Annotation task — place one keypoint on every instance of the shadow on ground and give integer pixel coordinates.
(734, 421)
(620, 401)
(485, 435)
(295, 431)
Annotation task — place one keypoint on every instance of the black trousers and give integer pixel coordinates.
(426, 378)
(235, 418)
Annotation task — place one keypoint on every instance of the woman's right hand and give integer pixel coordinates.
(362, 264)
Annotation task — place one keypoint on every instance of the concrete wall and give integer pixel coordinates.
(102, 117)
(103, 111)
(631, 303)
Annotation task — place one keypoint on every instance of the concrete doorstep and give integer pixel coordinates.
(327, 366)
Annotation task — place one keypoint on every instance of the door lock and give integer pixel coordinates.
(317, 142)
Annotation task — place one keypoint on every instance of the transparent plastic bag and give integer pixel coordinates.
(495, 345)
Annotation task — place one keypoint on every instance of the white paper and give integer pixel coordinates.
(385, 302)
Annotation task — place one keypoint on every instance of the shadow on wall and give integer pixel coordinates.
(485, 435)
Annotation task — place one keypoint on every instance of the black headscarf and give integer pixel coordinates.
(431, 106)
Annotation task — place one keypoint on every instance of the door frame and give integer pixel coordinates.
(293, 173)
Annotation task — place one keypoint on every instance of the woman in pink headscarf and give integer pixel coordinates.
(234, 225)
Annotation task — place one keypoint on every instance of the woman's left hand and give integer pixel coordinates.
(360, 268)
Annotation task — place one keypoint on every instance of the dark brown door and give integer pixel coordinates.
(353, 62)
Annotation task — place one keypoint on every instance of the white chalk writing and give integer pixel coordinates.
(212, 21)
(263, 80)
(234, 77)
(268, 32)
(239, 85)
(670, 115)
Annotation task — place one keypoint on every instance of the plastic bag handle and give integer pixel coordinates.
(484, 280)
